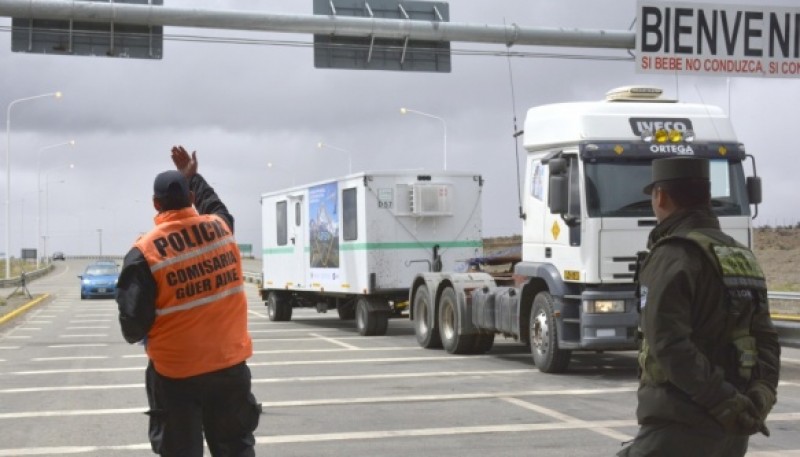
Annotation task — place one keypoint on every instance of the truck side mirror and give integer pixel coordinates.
(558, 191)
(754, 190)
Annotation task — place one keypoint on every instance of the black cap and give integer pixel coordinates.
(172, 186)
(674, 168)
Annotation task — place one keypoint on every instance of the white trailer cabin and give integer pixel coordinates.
(355, 243)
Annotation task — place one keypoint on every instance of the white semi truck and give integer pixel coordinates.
(357, 242)
(584, 220)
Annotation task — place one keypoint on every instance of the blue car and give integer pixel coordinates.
(99, 280)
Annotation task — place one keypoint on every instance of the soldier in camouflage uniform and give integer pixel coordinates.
(710, 357)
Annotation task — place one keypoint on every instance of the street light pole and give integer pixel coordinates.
(47, 202)
(444, 125)
(8, 172)
(321, 145)
(39, 236)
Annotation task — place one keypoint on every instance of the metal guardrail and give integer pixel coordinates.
(249, 276)
(783, 295)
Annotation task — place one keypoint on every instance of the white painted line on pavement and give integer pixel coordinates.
(39, 322)
(53, 359)
(283, 380)
(9, 347)
(17, 337)
(87, 321)
(451, 358)
(356, 348)
(85, 335)
(32, 329)
(297, 330)
(92, 316)
(281, 340)
(258, 314)
(62, 450)
(334, 341)
(88, 327)
(86, 345)
(566, 418)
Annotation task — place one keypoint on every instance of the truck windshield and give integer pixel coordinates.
(614, 188)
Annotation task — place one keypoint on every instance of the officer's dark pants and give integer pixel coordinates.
(218, 404)
(680, 440)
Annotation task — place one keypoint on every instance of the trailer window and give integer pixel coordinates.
(280, 221)
(297, 214)
(349, 214)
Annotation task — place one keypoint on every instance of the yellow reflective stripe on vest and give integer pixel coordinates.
(197, 252)
(200, 302)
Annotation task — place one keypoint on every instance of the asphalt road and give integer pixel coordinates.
(70, 385)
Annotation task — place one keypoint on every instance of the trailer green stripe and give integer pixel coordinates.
(385, 246)
(276, 251)
(412, 245)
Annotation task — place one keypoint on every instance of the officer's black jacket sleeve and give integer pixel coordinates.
(206, 200)
(136, 297)
(769, 350)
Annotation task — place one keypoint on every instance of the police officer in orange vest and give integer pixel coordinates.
(181, 292)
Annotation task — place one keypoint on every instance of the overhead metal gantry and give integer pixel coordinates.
(157, 15)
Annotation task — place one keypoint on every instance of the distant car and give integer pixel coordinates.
(99, 280)
(58, 255)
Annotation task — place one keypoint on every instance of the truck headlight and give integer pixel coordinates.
(603, 306)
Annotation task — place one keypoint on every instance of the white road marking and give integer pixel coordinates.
(17, 337)
(85, 335)
(87, 345)
(258, 314)
(53, 359)
(33, 329)
(335, 341)
(101, 327)
(566, 418)
(88, 321)
(9, 347)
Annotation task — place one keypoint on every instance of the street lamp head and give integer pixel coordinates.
(403, 111)
(320, 145)
(58, 94)
(72, 142)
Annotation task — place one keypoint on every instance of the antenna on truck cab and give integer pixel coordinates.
(517, 133)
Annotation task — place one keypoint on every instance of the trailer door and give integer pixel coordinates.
(297, 231)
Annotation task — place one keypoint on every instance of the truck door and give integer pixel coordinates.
(297, 236)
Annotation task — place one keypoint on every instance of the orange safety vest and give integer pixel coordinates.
(201, 307)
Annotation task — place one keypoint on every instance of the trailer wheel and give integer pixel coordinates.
(371, 318)
(427, 334)
(278, 307)
(453, 341)
(544, 337)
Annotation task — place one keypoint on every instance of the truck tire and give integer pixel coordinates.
(278, 307)
(544, 337)
(372, 319)
(427, 335)
(452, 340)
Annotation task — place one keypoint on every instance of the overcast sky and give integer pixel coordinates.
(242, 107)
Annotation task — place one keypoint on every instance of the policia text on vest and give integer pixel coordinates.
(196, 278)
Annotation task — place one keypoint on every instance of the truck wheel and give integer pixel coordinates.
(453, 341)
(278, 307)
(544, 337)
(371, 318)
(427, 335)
